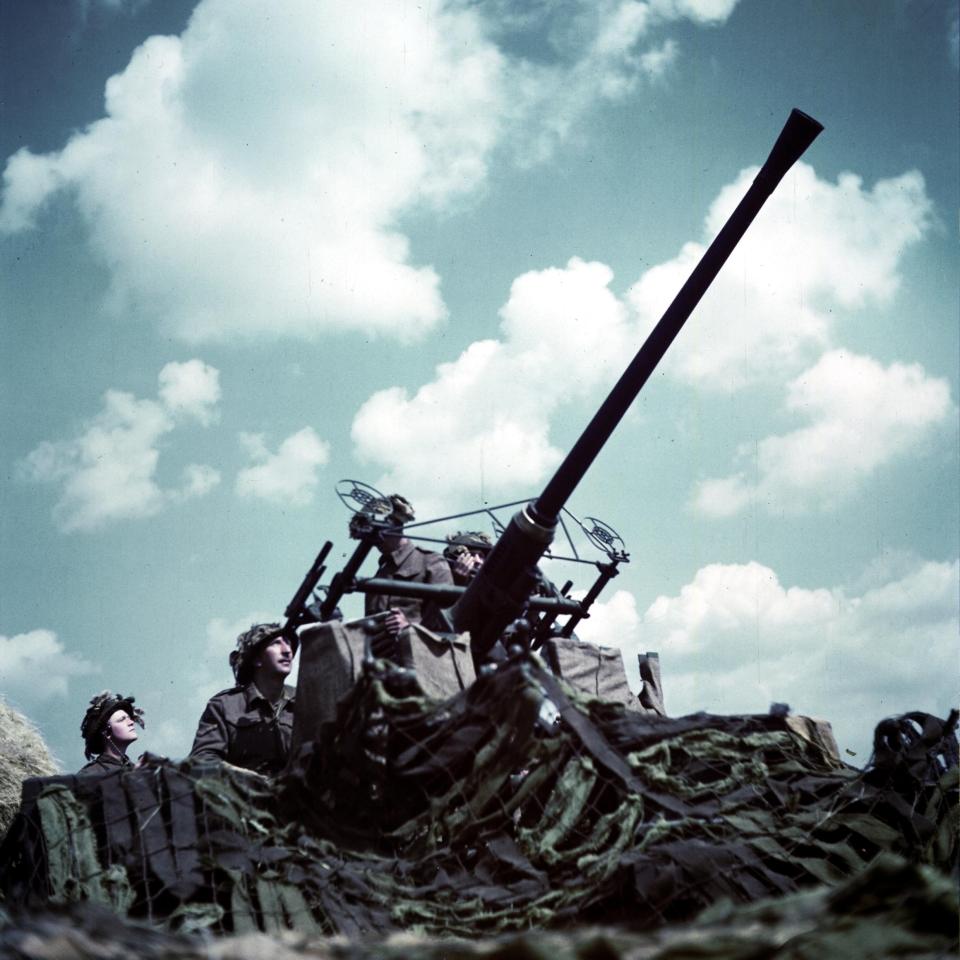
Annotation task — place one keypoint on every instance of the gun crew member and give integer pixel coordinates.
(400, 559)
(109, 727)
(251, 724)
(465, 552)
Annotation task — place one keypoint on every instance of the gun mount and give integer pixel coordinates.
(546, 606)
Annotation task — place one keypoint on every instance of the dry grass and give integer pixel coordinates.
(23, 754)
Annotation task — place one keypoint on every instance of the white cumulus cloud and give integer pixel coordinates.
(485, 418)
(36, 667)
(108, 471)
(612, 622)
(288, 476)
(735, 640)
(604, 50)
(816, 247)
(862, 415)
(249, 176)
(191, 389)
(701, 11)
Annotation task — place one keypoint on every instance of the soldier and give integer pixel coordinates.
(251, 724)
(465, 552)
(109, 727)
(400, 559)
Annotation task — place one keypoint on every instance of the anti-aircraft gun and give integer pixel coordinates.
(503, 590)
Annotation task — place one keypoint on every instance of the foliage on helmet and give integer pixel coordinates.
(250, 643)
(467, 541)
(393, 511)
(102, 707)
(401, 511)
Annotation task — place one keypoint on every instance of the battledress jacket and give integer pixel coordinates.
(409, 562)
(241, 726)
(106, 763)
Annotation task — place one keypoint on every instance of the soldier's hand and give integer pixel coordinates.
(466, 565)
(384, 643)
(395, 621)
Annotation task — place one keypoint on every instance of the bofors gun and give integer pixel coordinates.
(505, 589)
(500, 592)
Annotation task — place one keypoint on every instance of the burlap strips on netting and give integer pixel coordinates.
(513, 804)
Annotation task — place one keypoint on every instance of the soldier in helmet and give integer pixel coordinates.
(109, 727)
(251, 724)
(400, 559)
(465, 552)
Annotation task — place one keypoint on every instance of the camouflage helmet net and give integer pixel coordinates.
(392, 511)
(467, 540)
(249, 644)
(101, 708)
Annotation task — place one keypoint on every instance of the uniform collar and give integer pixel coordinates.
(400, 555)
(108, 759)
(252, 693)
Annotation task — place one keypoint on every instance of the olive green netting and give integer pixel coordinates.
(513, 805)
(892, 910)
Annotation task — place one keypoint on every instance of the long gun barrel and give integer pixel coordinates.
(498, 593)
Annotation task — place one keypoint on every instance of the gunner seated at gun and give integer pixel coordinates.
(400, 559)
(465, 552)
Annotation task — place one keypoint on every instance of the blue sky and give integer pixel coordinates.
(246, 251)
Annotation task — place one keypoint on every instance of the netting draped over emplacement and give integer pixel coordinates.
(513, 804)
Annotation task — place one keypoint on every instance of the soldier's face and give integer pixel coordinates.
(276, 658)
(390, 540)
(121, 728)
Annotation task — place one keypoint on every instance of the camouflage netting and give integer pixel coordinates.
(893, 910)
(482, 814)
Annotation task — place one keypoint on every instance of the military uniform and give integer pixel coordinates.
(107, 763)
(408, 562)
(241, 726)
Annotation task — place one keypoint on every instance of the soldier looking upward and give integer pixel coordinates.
(251, 724)
(109, 727)
(400, 559)
(465, 552)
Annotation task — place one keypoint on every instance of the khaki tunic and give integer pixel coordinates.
(241, 726)
(106, 763)
(408, 562)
